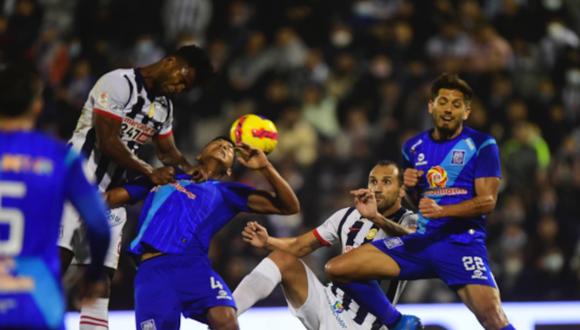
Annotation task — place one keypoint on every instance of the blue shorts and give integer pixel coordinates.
(455, 262)
(170, 285)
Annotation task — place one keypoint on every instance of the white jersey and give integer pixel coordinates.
(349, 228)
(120, 94)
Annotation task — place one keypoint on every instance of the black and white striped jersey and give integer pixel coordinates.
(349, 228)
(120, 94)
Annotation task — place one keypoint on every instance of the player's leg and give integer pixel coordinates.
(278, 267)
(363, 263)
(463, 266)
(356, 270)
(95, 316)
(484, 301)
(157, 304)
(70, 223)
(222, 318)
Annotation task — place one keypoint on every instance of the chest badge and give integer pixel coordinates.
(458, 157)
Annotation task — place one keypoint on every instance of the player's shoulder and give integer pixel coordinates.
(342, 213)
(44, 145)
(116, 78)
(416, 140)
(479, 138)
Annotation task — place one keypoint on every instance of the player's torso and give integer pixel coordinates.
(144, 114)
(357, 230)
(183, 217)
(32, 172)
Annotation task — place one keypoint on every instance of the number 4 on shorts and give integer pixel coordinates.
(215, 284)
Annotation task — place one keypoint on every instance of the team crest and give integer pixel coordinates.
(148, 325)
(372, 233)
(437, 177)
(393, 242)
(458, 157)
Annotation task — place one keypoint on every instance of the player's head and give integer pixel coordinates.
(220, 152)
(20, 91)
(386, 182)
(183, 69)
(450, 102)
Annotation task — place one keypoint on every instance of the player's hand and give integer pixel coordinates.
(254, 159)
(365, 203)
(430, 209)
(162, 175)
(197, 173)
(255, 234)
(411, 177)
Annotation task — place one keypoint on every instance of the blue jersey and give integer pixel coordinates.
(181, 218)
(450, 168)
(37, 175)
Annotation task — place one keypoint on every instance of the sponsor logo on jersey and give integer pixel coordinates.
(421, 160)
(372, 233)
(26, 164)
(445, 192)
(437, 177)
(393, 242)
(133, 130)
(223, 294)
(7, 304)
(415, 145)
(338, 307)
(182, 189)
(115, 219)
(458, 157)
(148, 325)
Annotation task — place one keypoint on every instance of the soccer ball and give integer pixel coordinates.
(256, 131)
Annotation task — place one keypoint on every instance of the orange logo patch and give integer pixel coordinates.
(437, 177)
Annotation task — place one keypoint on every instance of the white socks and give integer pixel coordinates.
(257, 285)
(96, 315)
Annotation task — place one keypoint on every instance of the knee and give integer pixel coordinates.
(336, 270)
(284, 260)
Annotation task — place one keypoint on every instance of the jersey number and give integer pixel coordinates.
(12, 217)
(215, 284)
(473, 263)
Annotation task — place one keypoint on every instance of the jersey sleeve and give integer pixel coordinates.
(236, 195)
(410, 221)
(90, 206)
(488, 160)
(138, 188)
(167, 127)
(327, 232)
(110, 95)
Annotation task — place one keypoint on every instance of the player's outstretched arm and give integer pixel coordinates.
(486, 190)
(299, 246)
(169, 155)
(129, 193)
(283, 200)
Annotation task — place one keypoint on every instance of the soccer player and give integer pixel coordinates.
(125, 109)
(316, 305)
(456, 172)
(37, 174)
(176, 225)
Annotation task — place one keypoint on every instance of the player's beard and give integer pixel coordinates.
(448, 128)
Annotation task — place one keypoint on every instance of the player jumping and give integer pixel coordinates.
(456, 172)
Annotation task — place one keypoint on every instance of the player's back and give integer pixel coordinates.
(32, 190)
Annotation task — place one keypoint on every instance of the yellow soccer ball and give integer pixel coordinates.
(256, 131)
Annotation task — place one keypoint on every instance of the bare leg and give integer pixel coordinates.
(363, 263)
(66, 257)
(484, 302)
(222, 318)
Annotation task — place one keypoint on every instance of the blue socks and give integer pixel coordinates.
(370, 296)
(508, 327)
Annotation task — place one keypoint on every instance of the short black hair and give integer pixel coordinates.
(386, 162)
(196, 58)
(453, 82)
(221, 137)
(20, 85)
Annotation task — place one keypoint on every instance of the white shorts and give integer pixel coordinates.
(321, 311)
(73, 236)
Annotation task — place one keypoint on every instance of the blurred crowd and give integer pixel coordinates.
(347, 82)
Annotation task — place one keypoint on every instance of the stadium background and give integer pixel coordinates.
(346, 82)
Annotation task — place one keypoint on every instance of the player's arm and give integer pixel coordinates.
(129, 193)
(87, 201)
(282, 200)
(366, 204)
(486, 191)
(168, 154)
(299, 246)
